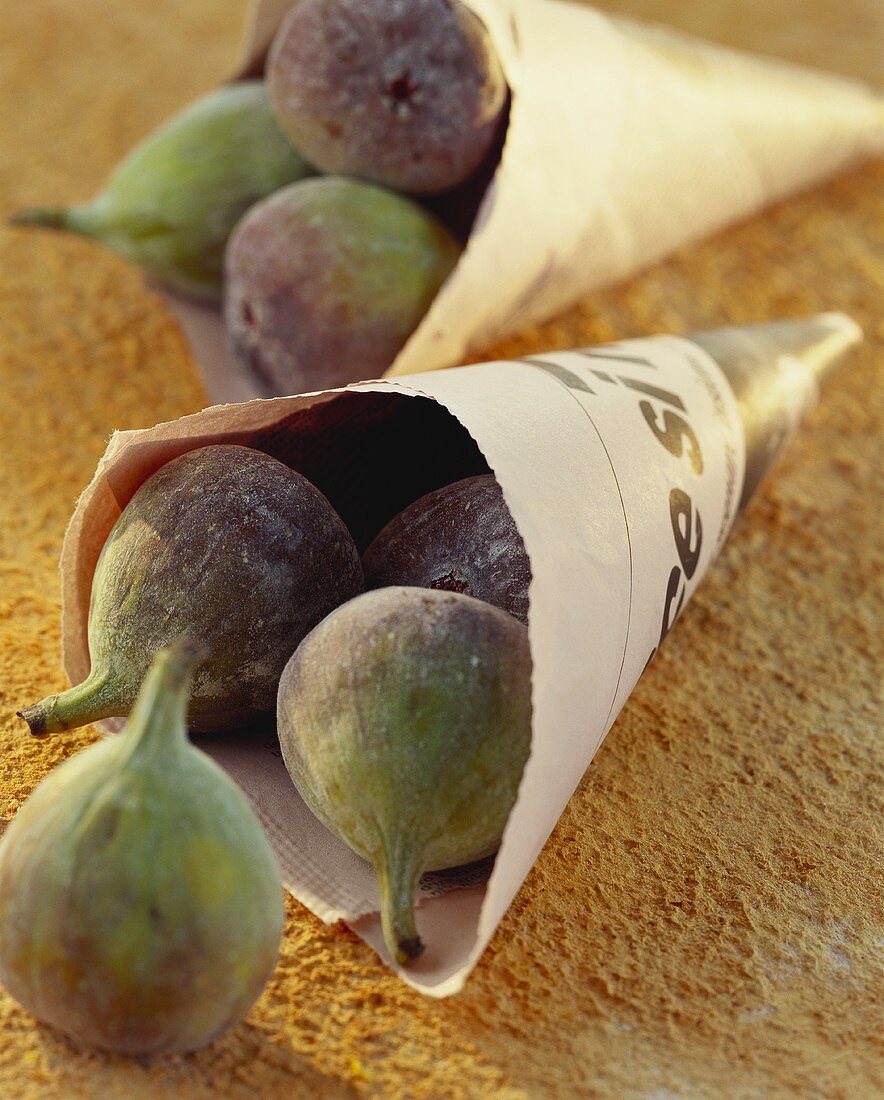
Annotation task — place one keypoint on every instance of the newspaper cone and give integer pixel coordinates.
(624, 467)
(624, 142)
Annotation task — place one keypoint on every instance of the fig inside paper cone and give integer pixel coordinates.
(572, 437)
(389, 449)
(624, 142)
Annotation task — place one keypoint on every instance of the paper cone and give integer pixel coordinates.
(625, 141)
(624, 467)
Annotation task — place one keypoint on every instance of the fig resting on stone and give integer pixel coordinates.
(140, 902)
(228, 546)
(407, 93)
(327, 279)
(172, 203)
(460, 538)
(404, 719)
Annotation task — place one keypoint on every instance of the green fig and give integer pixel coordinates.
(172, 203)
(405, 723)
(140, 902)
(223, 544)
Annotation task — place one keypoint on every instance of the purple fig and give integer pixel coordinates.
(460, 538)
(408, 94)
(327, 279)
(225, 545)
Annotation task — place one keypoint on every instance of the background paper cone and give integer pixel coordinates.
(623, 467)
(625, 141)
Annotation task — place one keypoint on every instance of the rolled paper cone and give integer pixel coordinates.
(624, 142)
(624, 467)
(775, 371)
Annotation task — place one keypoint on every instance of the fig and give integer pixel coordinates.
(327, 279)
(228, 546)
(140, 902)
(405, 723)
(407, 94)
(172, 203)
(460, 538)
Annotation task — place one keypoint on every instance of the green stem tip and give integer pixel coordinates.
(159, 714)
(173, 666)
(101, 696)
(96, 698)
(51, 217)
(397, 881)
(36, 717)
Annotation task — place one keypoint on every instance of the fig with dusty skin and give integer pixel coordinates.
(225, 545)
(140, 902)
(171, 204)
(327, 279)
(408, 93)
(405, 723)
(461, 538)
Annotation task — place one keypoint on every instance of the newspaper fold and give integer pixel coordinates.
(625, 141)
(624, 467)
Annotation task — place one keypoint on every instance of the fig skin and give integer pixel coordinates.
(174, 200)
(460, 538)
(141, 909)
(407, 94)
(405, 723)
(327, 279)
(223, 544)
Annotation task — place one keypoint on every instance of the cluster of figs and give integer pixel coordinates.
(326, 203)
(140, 902)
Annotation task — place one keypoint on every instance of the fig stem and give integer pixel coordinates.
(89, 220)
(52, 217)
(397, 880)
(159, 714)
(94, 699)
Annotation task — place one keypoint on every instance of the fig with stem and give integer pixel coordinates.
(223, 544)
(171, 204)
(405, 723)
(140, 902)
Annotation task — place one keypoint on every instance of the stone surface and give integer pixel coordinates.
(702, 922)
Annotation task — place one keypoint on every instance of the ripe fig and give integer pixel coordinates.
(460, 538)
(228, 546)
(327, 279)
(140, 901)
(405, 723)
(172, 203)
(408, 94)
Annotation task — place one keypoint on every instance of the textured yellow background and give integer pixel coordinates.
(703, 921)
